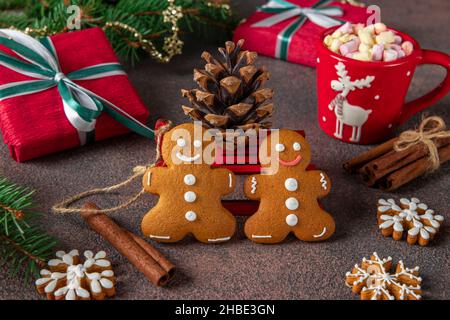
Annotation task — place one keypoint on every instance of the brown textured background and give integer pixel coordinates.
(240, 269)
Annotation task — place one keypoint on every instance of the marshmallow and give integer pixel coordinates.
(398, 40)
(365, 37)
(379, 27)
(401, 54)
(345, 38)
(395, 47)
(377, 52)
(370, 28)
(364, 47)
(336, 34)
(399, 50)
(390, 55)
(335, 45)
(385, 38)
(349, 47)
(328, 39)
(408, 47)
(363, 56)
(346, 28)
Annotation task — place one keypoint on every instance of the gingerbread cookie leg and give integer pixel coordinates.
(157, 226)
(262, 229)
(215, 229)
(317, 225)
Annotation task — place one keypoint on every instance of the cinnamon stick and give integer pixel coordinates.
(126, 245)
(356, 163)
(412, 171)
(155, 254)
(367, 179)
(394, 160)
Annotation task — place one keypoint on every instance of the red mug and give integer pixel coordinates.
(363, 101)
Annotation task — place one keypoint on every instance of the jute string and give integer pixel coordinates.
(430, 128)
(65, 205)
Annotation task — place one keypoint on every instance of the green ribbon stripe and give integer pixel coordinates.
(284, 38)
(94, 70)
(25, 52)
(34, 86)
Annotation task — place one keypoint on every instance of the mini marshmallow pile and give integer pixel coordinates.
(368, 43)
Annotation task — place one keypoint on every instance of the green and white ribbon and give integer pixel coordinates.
(81, 106)
(284, 10)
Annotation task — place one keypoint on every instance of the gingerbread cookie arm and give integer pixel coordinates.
(224, 179)
(319, 183)
(154, 178)
(252, 186)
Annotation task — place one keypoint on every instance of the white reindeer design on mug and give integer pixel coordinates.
(348, 114)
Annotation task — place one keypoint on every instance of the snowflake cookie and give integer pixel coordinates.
(68, 279)
(373, 280)
(412, 216)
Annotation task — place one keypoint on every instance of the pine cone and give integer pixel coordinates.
(231, 94)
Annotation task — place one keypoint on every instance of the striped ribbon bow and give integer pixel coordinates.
(284, 10)
(81, 106)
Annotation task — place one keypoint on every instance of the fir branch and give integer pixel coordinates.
(23, 246)
(17, 247)
(207, 20)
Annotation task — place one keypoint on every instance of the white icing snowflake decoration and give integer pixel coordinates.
(373, 280)
(68, 279)
(412, 216)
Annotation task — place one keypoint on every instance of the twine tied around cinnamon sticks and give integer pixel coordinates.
(430, 128)
(400, 160)
(138, 171)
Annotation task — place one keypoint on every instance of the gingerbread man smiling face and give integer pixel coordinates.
(288, 194)
(189, 190)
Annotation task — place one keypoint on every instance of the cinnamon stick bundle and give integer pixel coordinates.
(139, 252)
(388, 168)
(413, 170)
(353, 165)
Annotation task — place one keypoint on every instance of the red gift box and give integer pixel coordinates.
(35, 124)
(302, 46)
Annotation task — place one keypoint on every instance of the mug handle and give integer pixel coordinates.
(412, 107)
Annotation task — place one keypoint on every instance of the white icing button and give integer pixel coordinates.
(297, 146)
(190, 216)
(291, 203)
(190, 196)
(197, 143)
(292, 220)
(291, 184)
(189, 179)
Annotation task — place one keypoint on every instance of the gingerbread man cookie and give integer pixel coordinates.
(287, 192)
(190, 190)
